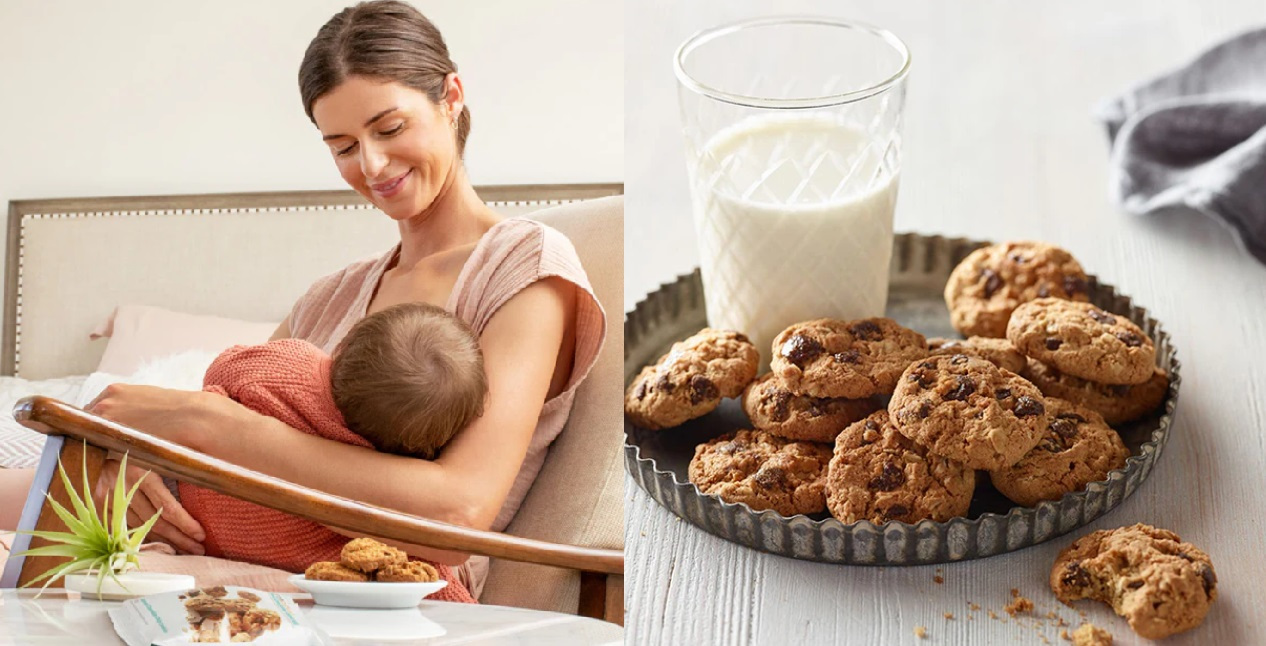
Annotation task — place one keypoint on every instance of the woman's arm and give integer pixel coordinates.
(468, 483)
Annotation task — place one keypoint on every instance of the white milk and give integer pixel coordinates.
(794, 216)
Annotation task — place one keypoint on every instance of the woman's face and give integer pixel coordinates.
(390, 142)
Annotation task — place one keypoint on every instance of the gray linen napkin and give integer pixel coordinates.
(1195, 138)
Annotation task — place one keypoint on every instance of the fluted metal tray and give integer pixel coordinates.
(658, 460)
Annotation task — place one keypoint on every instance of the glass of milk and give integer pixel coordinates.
(793, 145)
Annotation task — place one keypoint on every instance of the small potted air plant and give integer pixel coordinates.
(103, 552)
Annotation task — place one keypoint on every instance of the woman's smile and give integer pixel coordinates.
(391, 187)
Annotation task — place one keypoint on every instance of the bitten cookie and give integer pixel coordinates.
(408, 572)
(329, 571)
(368, 555)
(774, 409)
(850, 359)
(1117, 404)
(764, 471)
(692, 379)
(999, 352)
(992, 281)
(878, 474)
(1083, 340)
(1077, 449)
(1160, 584)
(969, 410)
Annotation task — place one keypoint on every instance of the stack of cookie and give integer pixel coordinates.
(365, 559)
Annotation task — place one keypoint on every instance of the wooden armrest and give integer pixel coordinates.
(53, 417)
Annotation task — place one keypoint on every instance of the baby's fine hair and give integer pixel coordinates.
(409, 378)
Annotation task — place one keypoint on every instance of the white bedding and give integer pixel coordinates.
(20, 447)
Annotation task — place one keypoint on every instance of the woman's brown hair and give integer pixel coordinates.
(384, 39)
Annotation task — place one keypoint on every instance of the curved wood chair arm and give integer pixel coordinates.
(53, 417)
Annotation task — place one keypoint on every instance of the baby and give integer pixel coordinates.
(404, 380)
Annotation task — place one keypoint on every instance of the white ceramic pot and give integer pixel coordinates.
(129, 585)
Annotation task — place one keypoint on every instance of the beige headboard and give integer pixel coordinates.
(246, 256)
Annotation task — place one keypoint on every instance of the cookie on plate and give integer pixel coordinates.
(329, 571)
(1077, 449)
(967, 409)
(992, 281)
(1084, 341)
(368, 555)
(1160, 584)
(1000, 352)
(878, 474)
(1118, 404)
(773, 408)
(407, 572)
(692, 379)
(849, 359)
(764, 471)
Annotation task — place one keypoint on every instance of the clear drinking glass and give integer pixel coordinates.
(793, 143)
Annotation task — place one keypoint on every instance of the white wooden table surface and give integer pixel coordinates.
(999, 144)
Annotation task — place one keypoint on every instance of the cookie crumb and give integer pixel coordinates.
(949, 615)
(993, 615)
(938, 579)
(1015, 592)
(920, 632)
(973, 606)
(1091, 635)
(1020, 605)
(1063, 634)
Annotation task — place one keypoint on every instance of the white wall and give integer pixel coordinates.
(143, 97)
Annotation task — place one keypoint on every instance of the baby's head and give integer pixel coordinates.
(408, 378)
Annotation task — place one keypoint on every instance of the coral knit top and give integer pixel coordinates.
(512, 255)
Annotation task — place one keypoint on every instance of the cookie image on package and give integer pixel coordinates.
(967, 409)
(1084, 341)
(999, 352)
(1118, 404)
(1077, 449)
(773, 408)
(692, 379)
(369, 555)
(1160, 584)
(764, 471)
(878, 474)
(992, 281)
(849, 359)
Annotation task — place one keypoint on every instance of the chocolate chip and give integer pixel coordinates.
(1102, 317)
(1043, 290)
(664, 384)
(921, 377)
(1210, 579)
(895, 511)
(866, 331)
(800, 349)
(871, 425)
(1026, 406)
(992, 281)
(1134, 585)
(963, 388)
(731, 447)
(848, 356)
(739, 336)
(1018, 259)
(889, 478)
(1002, 393)
(925, 409)
(1053, 343)
(702, 388)
(1074, 285)
(1075, 576)
(782, 408)
(958, 359)
(928, 365)
(1130, 339)
(639, 393)
(817, 407)
(1064, 428)
(770, 478)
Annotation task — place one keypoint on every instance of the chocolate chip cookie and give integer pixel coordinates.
(368, 555)
(967, 409)
(992, 281)
(1117, 404)
(850, 359)
(1082, 340)
(330, 571)
(408, 572)
(774, 409)
(999, 352)
(1077, 449)
(1160, 584)
(692, 379)
(764, 471)
(878, 474)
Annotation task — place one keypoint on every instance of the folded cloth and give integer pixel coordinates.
(1195, 139)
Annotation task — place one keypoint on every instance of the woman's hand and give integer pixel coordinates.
(190, 418)
(175, 527)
